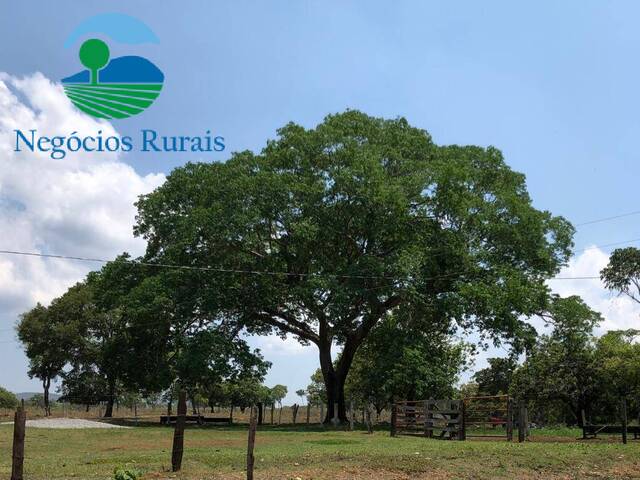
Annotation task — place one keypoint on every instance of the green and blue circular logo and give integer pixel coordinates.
(113, 87)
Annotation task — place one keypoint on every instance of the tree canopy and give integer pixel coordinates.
(622, 274)
(561, 367)
(496, 378)
(348, 221)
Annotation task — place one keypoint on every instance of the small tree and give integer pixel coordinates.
(561, 366)
(38, 401)
(50, 336)
(402, 360)
(83, 387)
(8, 400)
(496, 378)
(617, 357)
(278, 393)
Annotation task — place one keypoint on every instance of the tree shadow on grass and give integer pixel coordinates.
(235, 427)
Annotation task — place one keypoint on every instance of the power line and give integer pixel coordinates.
(100, 260)
(249, 272)
(605, 245)
(196, 268)
(606, 219)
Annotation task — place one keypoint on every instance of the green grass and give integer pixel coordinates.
(288, 453)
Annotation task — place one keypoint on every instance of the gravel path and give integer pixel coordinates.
(67, 423)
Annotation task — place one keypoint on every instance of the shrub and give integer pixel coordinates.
(126, 474)
(7, 399)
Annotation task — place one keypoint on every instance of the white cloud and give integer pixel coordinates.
(81, 205)
(274, 345)
(619, 312)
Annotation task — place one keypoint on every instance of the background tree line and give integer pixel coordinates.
(360, 232)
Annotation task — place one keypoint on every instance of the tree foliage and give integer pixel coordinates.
(400, 362)
(8, 399)
(50, 335)
(496, 378)
(362, 216)
(623, 272)
(561, 366)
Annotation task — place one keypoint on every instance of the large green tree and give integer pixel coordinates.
(352, 219)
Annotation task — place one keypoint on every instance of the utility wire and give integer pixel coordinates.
(606, 219)
(100, 260)
(248, 272)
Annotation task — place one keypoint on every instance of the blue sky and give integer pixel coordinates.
(554, 85)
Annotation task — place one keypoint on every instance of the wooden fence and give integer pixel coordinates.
(431, 418)
(490, 416)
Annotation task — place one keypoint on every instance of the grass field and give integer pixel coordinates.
(315, 453)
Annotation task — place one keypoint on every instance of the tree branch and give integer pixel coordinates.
(297, 328)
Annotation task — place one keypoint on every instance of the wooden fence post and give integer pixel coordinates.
(18, 443)
(394, 417)
(429, 418)
(624, 420)
(178, 433)
(509, 419)
(462, 427)
(250, 444)
(351, 414)
(425, 412)
(522, 428)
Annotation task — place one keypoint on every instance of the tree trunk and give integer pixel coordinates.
(46, 383)
(192, 397)
(335, 377)
(108, 413)
(169, 404)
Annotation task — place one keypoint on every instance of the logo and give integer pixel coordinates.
(113, 88)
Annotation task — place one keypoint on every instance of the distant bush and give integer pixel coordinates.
(7, 399)
(37, 400)
(126, 474)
